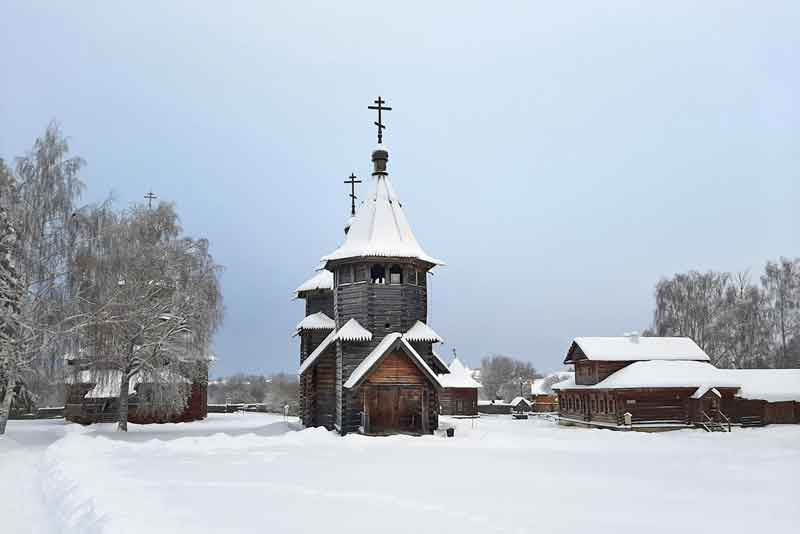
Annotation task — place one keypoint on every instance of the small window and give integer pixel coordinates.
(346, 274)
(361, 273)
(395, 275)
(422, 279)
(378, 274)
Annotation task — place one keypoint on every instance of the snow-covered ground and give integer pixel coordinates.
(256, 473)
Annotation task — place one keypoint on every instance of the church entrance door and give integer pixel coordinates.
(394, 409)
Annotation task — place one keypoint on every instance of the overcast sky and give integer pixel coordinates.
(560, 159)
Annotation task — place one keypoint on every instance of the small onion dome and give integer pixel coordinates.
(380, 157)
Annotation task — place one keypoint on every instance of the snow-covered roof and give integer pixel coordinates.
(517, 400)
(422, 332)
(378, 352)
(660, 374)
(380, 228)
(637, 348)
(322, 280)
(540, 385)
(316, 321)
(314, 356)
(458, 377)
(773, 385)
(353, 331)
(439, 361)
(107, 381)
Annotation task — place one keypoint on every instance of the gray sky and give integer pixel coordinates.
(560, 159)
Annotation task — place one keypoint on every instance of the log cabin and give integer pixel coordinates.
(367, 363)
(543, 398)
(460, 394)
(92, 395)
(669, 383)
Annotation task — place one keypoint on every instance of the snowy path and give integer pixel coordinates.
(21, 457)
(254, 473)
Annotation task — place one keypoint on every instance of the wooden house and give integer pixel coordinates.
(494, 407)
(460, 394)
(668, 383)
(92, 396)
(520, 405)
(366, 356)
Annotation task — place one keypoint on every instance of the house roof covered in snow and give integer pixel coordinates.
(544, 386)
(634, 348)
(772, 385)
(496, 402)
(316, 321)
(458, 377)
(106, 382)
(380, 228)
(314, 356)
(383, 348)
(322, 280)
(516, 400)
(660, 374)
(422, 332)
(439, 363)
(353, 331)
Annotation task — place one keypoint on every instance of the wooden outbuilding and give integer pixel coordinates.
(543, 398)
(460, 394)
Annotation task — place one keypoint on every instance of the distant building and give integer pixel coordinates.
(497, 406)
(668, 383)
(520, 405)
(460, 394)
(543, 398)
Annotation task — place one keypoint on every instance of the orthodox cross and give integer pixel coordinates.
(150, 197)
(380, 107)
(352, 181)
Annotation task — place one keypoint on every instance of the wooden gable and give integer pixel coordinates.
(396, 368)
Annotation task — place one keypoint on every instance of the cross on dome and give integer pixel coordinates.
(379, 108)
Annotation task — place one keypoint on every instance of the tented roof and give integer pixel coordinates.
(353, 331)
(637, 348)
(458, 377)
(380, 228)
(422, 332)
(316, 321)
(322, 280)
(380, 350)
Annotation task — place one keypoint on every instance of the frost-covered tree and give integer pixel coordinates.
(742, 330)
(148, 301)
(38, 202)
(502, 375)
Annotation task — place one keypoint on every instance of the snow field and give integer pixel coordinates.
(256, 473)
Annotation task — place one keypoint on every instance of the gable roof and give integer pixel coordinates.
(316, 321)
(392, 340)
(634, 348)
(439, 363)
(422, 332)
(322, 280)
(314, 356)
(353, 331)
(380, 228)
(516, 400)
(458, 377)
(660, 374)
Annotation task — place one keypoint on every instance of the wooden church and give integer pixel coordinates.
(366, 351)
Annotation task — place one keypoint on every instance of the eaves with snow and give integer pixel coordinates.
(320, 281)
(316, 321)
(635, 348)
(422, 332)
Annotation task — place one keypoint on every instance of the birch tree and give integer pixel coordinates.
(781, 282)
(149, 301)
(37, 204)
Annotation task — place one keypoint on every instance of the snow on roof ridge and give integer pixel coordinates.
(323, 279)
(630, 348)
(516, 400)
(314, 356)
(353, 331)
(422, 332)
(380, 228)
(316, 321)
(376, 354)
(459, 376)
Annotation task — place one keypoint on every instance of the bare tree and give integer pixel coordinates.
(504, 375)
(148, 300)
(781, 282)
